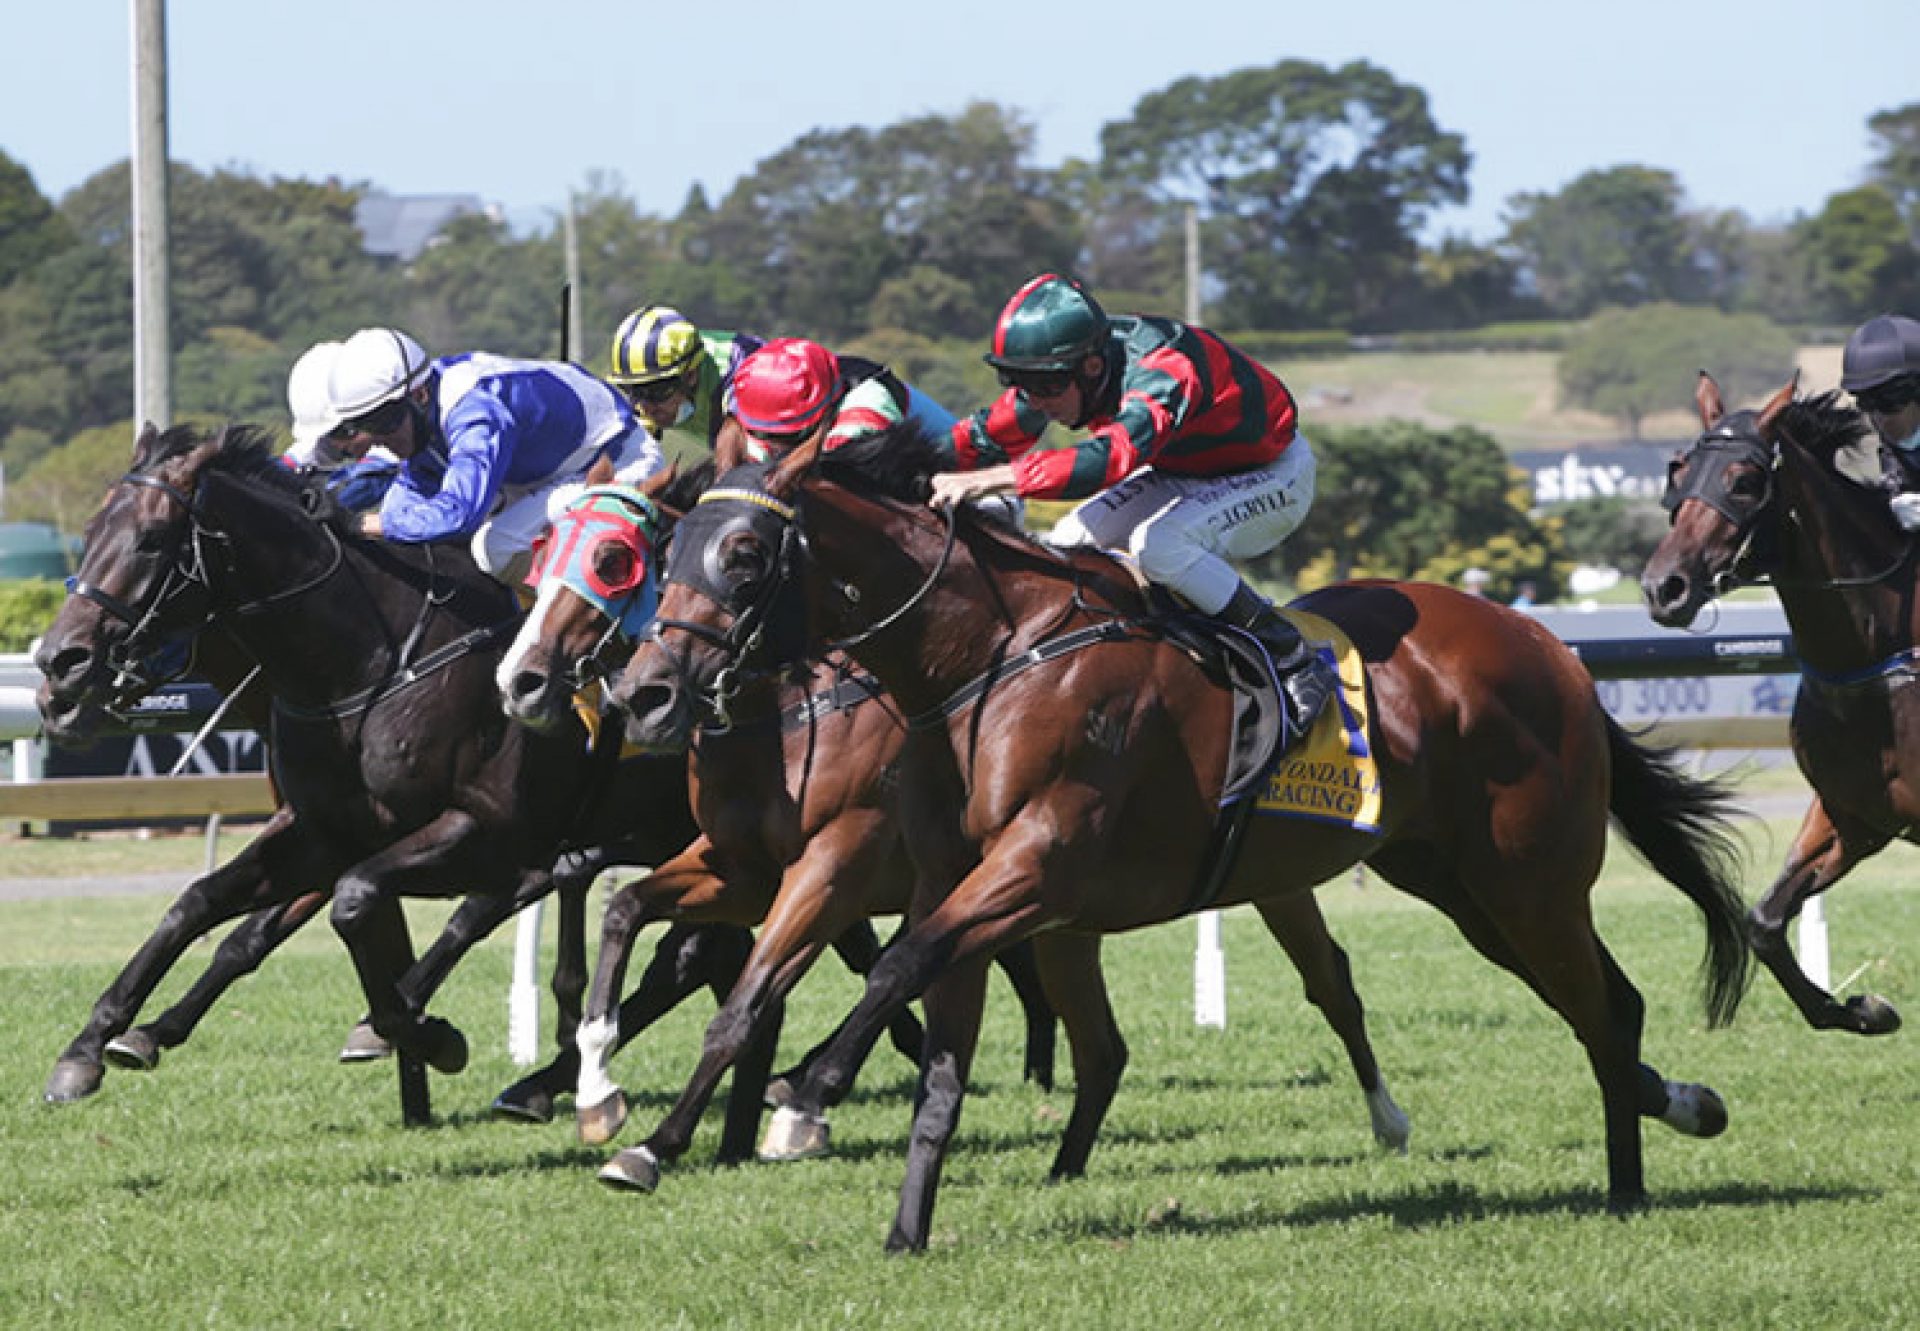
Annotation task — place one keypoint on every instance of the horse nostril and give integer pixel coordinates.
(647, 700)
(70, 663)
(528, 684)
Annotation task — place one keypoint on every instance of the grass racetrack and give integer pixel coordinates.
(252, 1182)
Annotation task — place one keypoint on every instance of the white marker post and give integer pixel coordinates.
(1209, 974)
(523, 996)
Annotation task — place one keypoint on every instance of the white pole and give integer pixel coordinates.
(523, 996)
(1209, 974)
(152, 350)
(1814, 958)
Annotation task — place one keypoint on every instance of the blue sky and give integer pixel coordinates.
(1760, 105)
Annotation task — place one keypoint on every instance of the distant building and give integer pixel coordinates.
(401, 226)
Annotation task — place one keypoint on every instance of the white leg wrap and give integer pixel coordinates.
(596, 1040)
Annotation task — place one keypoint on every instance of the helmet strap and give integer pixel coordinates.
(1093, 388)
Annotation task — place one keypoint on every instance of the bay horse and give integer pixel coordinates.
(1758, 499)
(388, 787)
(796, 787)
(1059, 794)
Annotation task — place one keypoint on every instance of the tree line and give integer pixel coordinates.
(1314, 185)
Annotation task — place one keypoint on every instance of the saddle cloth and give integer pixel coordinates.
(1332, 776)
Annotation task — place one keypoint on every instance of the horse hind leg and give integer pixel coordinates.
(1297, 925)
(1821, 855)
(1076, 989)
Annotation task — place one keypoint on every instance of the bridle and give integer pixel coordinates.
(133, 658)
(1711, 458)
(742, 640)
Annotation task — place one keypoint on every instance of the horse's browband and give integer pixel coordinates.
(754, 497)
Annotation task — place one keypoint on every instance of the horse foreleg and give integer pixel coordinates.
(453, 848)
(1821, 854)
(1296, 923)
(1069, 967)
(281, 863)
(238, 956)
(600, 1109)
(953, 1004)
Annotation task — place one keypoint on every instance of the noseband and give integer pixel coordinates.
(1711, 460)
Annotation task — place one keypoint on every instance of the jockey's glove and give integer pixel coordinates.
(1906, 511)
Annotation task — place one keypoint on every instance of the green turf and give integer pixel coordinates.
(252, 1182)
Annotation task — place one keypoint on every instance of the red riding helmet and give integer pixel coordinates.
(786, 388)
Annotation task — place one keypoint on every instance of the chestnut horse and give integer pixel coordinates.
(796, 792)
(1758, 499)
(1060, 794)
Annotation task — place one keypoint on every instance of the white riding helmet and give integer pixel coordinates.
(313, 415)
(374, 366)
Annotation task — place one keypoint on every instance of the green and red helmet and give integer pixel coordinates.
(1052, 323)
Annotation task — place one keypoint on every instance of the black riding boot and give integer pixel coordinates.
(1307, 680)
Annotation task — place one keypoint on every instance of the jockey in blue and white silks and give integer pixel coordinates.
(510, 435)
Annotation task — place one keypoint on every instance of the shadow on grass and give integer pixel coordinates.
(1440, 1205)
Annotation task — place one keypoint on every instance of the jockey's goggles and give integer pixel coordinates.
(382, 420)
(653, 391)
(1885, 399)
(1037, 383)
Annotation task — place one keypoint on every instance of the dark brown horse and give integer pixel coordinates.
(1060, 795)
(1759, 498)
(390, 787)
(797, 786)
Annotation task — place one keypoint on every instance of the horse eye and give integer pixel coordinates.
(1748, 485)
(614, 563)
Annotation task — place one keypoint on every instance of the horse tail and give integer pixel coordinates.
(1683, 827)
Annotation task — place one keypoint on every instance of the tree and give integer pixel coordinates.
(1858, 255)
(1612, 237)
(30, 230)
(477, 287)
(1896, 163)
(1628, 363)
(1403, 500)
(1612, 531)
(1313, 183)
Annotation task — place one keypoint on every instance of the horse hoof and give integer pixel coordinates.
(1392, 1129)
(364, 1045)
(73, 1079)
(524, 1103)
(447, 1054)
(1694, 1110)
(779, 1093)
(134, 1050)
(793, 1134)
(1873, 1015)
(633, 1170)
(599, 1124)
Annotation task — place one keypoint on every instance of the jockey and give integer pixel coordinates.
(1881, 368)
(355, 484)
(489, 445)
(1192, 455)
(679, 378)
(790, 389)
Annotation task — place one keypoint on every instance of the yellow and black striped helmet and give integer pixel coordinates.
(653, 344)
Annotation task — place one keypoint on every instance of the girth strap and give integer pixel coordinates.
(430, 664)
(1107, 630)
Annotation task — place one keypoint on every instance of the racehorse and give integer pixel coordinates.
(398, 787)
(795, 788)
(1758, 499)
(1064, 762)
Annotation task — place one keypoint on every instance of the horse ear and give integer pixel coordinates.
(729, 446)
(656, 485)
(143, 444)
(601, 472)
(784, 477)
(1778, 403)
(1706, 396)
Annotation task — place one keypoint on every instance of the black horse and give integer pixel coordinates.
(398, 772)
(1759, 498)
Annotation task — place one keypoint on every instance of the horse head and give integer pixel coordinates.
(730, 611)
(596, 592)
(1761, 495)
(141, 589)
(1722, 503)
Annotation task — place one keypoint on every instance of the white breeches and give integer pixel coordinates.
(1182, 530)
(522, 512)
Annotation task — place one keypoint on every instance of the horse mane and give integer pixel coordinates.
(1821, 425)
